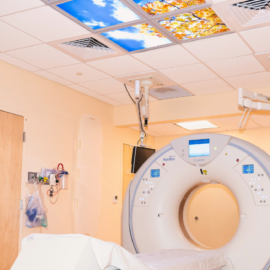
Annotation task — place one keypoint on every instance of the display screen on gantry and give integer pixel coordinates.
(248, 169)
(199, 148)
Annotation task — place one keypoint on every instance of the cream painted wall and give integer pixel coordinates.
(53, 114)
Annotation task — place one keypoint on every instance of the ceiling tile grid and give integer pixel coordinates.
(120, 65)
(189, 74)
(79, 73)
(45, 24)
(250, 81)
(236, 66)
(258, 38)
(217, 48)
(108, 100)
(52, 77)
(203, 66)
(83, 90)
(16, 62)
(13, 6)
(12, 38)
(208, 87)
(43, 56)
(105, 87)
(168, 57)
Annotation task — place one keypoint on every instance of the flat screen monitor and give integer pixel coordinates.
(139, 156)
(199, 148)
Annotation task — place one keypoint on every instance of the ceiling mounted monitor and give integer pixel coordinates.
(195, 24)
(137, 37)
(164, 6)
(98, 14)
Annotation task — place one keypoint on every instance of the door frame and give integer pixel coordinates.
(24, 169)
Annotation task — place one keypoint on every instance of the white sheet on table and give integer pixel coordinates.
(80, 252)
(179, 259)
(73, 252)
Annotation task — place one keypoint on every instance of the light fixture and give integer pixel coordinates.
(196, 125)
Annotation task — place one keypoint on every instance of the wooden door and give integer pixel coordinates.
(11, 144)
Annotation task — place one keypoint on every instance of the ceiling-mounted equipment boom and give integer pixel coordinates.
(245, 100)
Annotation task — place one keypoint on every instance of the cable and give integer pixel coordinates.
(140, 118)
(241, 121)
(129, 93)
(246, 117)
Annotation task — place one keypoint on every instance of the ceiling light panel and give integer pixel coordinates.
(236, 66)
(168, 129)
(195, 24)
(12, 38)
(137, 37)
(16, 62)
(172, 56)
(87, 48)
(160, 7)
(188, 74)
(45, 24)
(52, 77)
(43, 56)
(13, 6)
(99, 13)
(121, 65)
(216, 48)
(208, 87)
(196, 125)
(70, 73)
(250, 81)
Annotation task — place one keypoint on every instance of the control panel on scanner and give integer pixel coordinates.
(148, 183)
(256, 179)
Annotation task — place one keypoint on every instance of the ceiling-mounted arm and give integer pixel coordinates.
(245, 99)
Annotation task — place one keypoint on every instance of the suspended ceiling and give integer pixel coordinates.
(31, 31)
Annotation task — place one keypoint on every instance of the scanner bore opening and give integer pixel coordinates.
(209, 215)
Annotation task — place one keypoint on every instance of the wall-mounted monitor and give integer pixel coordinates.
(139, 156)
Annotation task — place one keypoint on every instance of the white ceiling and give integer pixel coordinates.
(31, 30)
(45, 24)
(223, 124)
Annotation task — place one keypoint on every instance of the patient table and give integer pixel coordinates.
(79, 252)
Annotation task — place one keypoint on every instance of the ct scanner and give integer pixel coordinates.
(153, 215)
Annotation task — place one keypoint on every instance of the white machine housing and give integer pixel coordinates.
(150, 217)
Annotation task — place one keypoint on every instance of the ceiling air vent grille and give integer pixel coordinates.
(252, 13)
(87, 48)
(254, 4)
